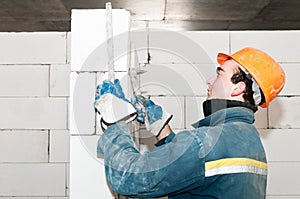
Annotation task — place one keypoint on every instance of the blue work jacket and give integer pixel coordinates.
(222, 157)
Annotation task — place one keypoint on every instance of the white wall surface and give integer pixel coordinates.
(34, 135)
(34, 96)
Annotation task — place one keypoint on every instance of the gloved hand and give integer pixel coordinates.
(111, 104)
(153, 115)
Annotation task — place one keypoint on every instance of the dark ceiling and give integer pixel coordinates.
(55, 15)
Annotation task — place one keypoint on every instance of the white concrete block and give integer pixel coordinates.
(88, 44)
(281, 144)
(87, 175)
(138, 39)
(23, 146)
(174, 106)
(261, 118)
(69, 47)
(59, 146)
(59, 80)
(24, 80)
(33, 48)
(176, 79)
(82, 96)
(194, 110)
(292, 79)
(265, 40)
(83, 119)
(33, 113)
(13, 197)
(126, 86)
(284, 112)
(287, 172)
(186, 47)
(124, 81)
(32, 179)
(68, 177)
(211, 42)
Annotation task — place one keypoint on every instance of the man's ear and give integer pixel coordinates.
(238, 89)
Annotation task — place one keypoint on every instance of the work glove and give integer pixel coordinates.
(111, 104)
(152, 115)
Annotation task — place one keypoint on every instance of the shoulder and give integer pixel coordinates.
(200, 135)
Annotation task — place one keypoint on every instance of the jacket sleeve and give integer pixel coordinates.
(169, 169)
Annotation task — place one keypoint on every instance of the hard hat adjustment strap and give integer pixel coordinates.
(256, 94)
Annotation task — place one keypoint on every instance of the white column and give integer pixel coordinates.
(89, 61)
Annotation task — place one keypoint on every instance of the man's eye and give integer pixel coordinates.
(218, 71)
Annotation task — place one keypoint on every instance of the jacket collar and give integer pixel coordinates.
(212, 105)
(235, 114)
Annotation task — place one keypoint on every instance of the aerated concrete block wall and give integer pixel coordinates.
(34, 136)
(34, 101)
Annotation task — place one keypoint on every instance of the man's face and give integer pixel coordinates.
(220, 85)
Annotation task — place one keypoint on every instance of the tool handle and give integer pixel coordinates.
(109, 42)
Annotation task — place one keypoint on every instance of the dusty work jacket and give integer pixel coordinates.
(221, 158)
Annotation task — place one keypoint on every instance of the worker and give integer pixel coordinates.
(223, 157)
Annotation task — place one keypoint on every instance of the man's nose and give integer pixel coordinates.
(211, 80)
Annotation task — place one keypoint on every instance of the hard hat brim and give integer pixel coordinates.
(222, 57)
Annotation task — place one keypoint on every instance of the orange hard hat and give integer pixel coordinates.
(267, 73)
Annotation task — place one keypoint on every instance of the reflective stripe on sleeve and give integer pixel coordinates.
(235, 165)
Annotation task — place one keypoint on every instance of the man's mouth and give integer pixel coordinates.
(208, 93)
